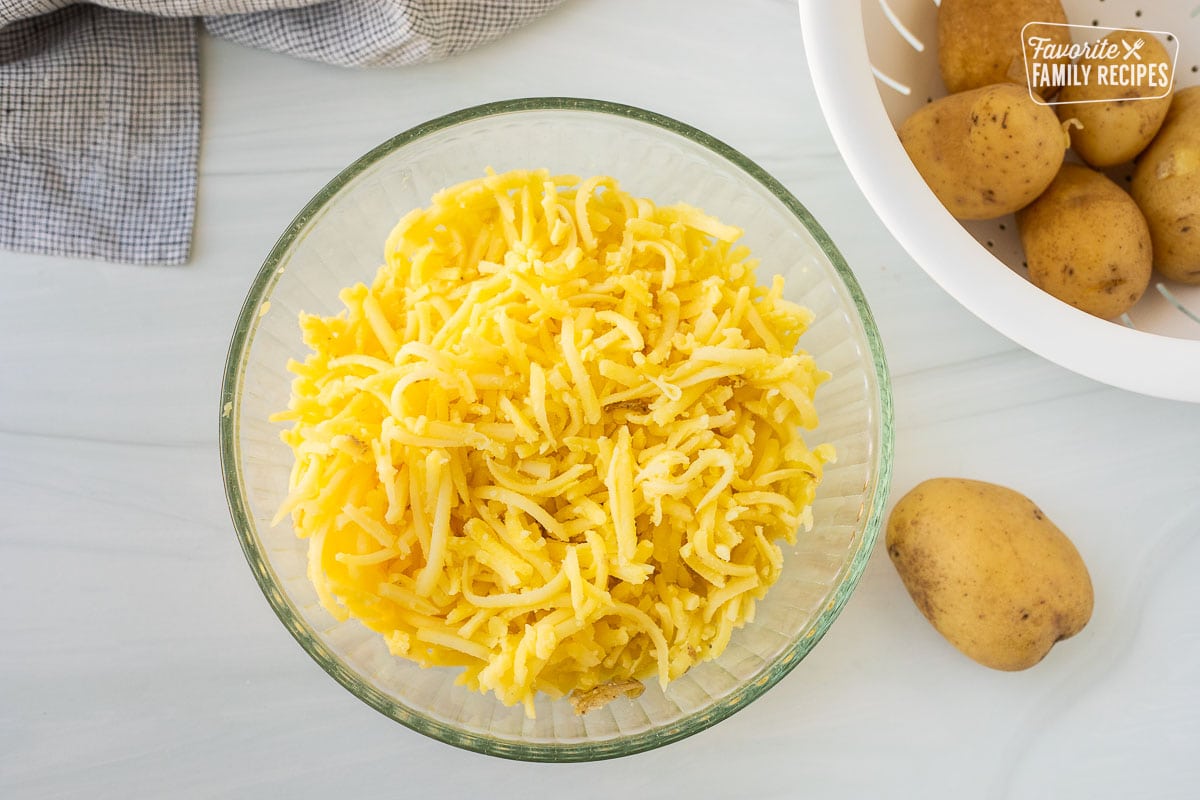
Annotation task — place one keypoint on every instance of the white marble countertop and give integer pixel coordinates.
(139, 658)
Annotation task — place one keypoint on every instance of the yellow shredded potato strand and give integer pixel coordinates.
(557, 441)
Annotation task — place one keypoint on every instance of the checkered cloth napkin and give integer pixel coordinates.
(100, 104)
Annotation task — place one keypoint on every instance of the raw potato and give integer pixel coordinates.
(1166, 186)
(979, 41)
(987, 152)
(1087, 243)
(1114, 132)
(997, 578)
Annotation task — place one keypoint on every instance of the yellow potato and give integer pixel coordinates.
(1113, 132)
(1166, 186)
(979, 41)
(1087, 243)
(986, 567)
(987, 152)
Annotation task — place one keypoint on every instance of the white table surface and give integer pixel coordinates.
(139, 658)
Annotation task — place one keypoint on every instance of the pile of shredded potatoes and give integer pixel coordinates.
(556, 441)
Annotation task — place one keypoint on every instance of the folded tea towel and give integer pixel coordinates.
(100, 104)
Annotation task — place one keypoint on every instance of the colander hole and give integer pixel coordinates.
(1137, 13)
(1195, 68)
(990, 243)
(1095, 22)
(1025, 264)
(1003, 227)
(1170, 38)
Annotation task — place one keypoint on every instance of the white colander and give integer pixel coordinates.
(874, 62)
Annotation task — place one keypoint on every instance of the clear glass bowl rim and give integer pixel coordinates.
(309, 640)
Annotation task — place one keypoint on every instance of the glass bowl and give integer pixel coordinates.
(337, 239)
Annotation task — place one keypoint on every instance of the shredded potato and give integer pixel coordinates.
(557, 441)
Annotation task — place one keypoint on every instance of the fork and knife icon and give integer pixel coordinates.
(1131, 50)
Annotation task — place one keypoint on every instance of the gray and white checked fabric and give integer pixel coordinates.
(100, 102)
